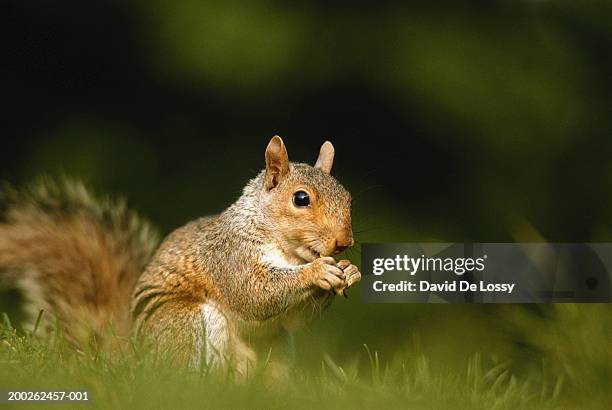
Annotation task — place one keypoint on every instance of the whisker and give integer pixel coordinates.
(358, 252)
(372, 229)
(366, 189)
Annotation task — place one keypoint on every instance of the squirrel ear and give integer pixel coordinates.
(326, 157)
(277, 162)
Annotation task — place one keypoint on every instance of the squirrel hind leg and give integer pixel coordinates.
(222, 349)
(214, 342)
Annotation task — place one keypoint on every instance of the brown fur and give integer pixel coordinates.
(75, 256)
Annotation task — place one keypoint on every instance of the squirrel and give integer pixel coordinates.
(221, 291)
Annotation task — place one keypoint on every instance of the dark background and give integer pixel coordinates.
(474, 120)
(456, 117)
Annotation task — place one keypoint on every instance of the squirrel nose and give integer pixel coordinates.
(343, 244)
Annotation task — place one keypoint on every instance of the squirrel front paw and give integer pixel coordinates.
(351, 273)
(327, 275)
(332, 276)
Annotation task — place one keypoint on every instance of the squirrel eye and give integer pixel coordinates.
(301, 199)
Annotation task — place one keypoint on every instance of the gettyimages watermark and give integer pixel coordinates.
(486, 272)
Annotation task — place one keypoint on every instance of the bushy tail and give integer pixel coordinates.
(73, 255)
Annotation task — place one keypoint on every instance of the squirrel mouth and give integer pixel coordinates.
(311, 254)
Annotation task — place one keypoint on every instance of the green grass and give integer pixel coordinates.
(560, 359)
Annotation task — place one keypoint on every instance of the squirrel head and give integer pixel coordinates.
(306, 208)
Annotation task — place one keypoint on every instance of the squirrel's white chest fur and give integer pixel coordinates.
(273, 255)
